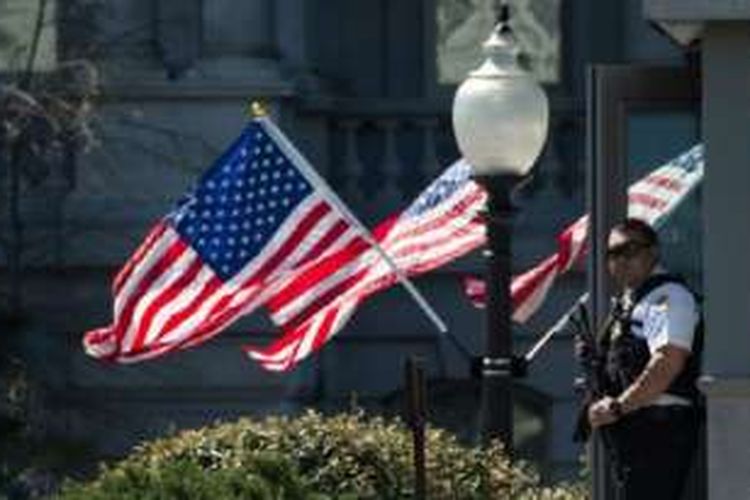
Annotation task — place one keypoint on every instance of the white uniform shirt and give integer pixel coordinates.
(668, 314)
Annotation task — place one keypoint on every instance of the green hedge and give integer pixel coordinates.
(344, 456)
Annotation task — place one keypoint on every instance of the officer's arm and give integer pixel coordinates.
(663, 367)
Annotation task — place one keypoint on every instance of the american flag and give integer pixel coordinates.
(440, 225)
(653, 199)
(256, 214)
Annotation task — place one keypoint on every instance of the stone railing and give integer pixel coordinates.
(379, 154)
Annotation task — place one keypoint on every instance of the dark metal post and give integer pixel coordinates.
(416, 416)
(497, 384)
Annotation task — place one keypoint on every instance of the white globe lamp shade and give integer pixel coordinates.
(500, 113)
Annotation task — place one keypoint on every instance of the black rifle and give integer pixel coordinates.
(593, 384)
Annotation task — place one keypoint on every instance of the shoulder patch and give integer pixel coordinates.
(662, 302)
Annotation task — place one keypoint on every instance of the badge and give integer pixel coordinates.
(661, 303)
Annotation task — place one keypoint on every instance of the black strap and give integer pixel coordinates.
(655, 281)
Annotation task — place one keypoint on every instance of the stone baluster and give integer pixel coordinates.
(389, 196)
(353, 168)
(430, 166)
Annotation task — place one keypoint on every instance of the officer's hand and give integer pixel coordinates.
(602, 412)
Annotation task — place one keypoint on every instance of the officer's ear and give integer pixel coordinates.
(653, 252)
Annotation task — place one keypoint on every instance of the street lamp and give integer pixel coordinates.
(500, 117)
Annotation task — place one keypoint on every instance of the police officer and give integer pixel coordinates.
(651, 360)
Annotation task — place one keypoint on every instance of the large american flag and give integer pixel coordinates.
(652, 198)
(255, 215)
(441, 225)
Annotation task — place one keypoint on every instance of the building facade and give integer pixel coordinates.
(364, 89)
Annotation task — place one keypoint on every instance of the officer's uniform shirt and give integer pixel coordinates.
(668, 314)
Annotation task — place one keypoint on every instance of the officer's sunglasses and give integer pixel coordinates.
(626, 250)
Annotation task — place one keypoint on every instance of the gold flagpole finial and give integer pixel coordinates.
(257, 109)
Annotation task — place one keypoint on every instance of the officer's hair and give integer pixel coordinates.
(639, 228)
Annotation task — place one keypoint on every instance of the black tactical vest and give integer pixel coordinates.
(627, 355)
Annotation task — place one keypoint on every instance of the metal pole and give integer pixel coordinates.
(416, 416)
(497, 384)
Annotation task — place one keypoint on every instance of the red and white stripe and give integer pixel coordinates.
(652, 199)
(165, 298)
(317, 304)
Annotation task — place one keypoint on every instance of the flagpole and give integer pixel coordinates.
(315, 178)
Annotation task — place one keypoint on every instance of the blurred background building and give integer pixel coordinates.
(364, 88)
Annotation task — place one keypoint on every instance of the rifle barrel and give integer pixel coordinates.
(556, 328)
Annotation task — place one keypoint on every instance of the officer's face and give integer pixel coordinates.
(629, 259)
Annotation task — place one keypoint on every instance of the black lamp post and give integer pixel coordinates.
(500, 117)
